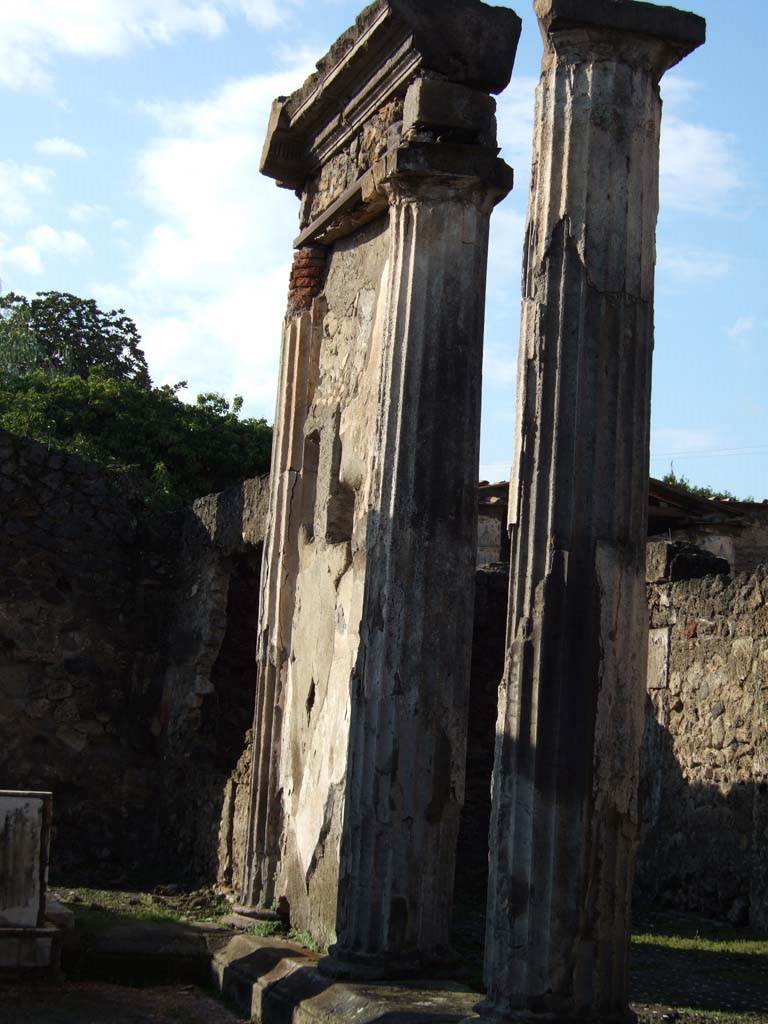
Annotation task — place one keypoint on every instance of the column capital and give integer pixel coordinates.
(421, 171)
(639, 33)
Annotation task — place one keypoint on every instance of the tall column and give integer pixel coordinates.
(407, 743)
(564, 820)
(366, 621)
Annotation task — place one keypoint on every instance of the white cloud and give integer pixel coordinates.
(744, 325)
(699, 166)
(83, 213)
(693, 264)
(677, 90)
(37, 32)
(21, 257)
(62, 243)
(39, 241)
(60, 147)
(515, 125)
(210, 277)
(19, 183)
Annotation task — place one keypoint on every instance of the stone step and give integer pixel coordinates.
(274, 981)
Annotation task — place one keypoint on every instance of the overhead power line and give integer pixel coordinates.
(697, 453)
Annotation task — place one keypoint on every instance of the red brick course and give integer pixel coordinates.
(307, 276)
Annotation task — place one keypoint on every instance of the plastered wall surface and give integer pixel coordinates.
(331, 574)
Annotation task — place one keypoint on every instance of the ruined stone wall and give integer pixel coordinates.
(751, 548)
(208, 687)
(78, 654)
(126, 662)
(705, 758)
(704, 783)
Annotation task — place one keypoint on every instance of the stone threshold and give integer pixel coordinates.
(273, 981)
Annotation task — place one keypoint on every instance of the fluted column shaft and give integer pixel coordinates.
(410, 687)
(564, 819)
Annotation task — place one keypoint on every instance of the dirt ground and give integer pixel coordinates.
(93, 1003)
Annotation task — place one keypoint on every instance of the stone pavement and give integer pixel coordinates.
(93, 1003)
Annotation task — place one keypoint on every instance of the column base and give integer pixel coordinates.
(257, 913)
(344, 966)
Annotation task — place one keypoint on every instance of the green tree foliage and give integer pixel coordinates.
(699, 491)
(90, 394)
(60, 333)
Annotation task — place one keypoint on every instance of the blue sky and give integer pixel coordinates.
(129, 172)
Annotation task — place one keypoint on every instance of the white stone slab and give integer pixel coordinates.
(25, 825)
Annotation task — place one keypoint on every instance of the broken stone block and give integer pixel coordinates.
(440, 106)
(669, 561)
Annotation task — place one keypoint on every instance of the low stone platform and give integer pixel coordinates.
(272, 980)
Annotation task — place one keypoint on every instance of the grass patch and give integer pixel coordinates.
(681, 1014)
(268, 929)
(305, 939)
(703, 943)
(203, 905)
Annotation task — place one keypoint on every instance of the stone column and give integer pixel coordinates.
(367, 612)
(407, 743)
(564, 820)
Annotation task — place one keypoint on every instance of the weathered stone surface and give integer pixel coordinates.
(431, 104)
(704, 782)
(366, 611)
(126, 662)
(673, 27)
(677, 560)
(208, 672)
(392, 42)
(565, 816)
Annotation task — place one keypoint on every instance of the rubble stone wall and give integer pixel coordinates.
(79, 669)
(126, 662)
(209, 675)
(705, 759)
(704, 774)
